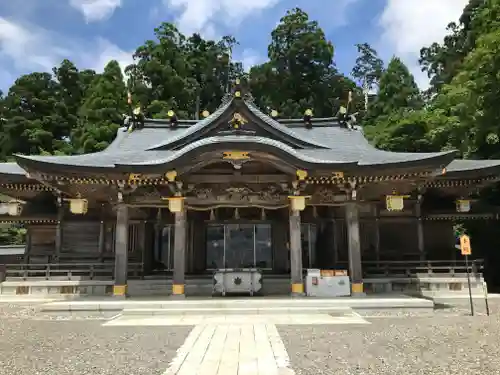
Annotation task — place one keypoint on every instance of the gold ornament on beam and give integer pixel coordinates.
(274, 113)
(301, 174)
(235, 155)
(205, 113)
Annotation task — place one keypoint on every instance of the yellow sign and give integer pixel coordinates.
(465, 247)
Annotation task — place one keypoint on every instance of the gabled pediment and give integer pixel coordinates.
(238, 117)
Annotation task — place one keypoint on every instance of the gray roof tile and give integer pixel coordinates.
(335, 145)
(11, 168)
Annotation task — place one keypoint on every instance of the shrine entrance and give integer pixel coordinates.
(239, 245)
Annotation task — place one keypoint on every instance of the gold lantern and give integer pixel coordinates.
(78, 206)
(14, 208)
(298, 202)
(171, 175)
(463, 205)
(175, 204)
(394, 202)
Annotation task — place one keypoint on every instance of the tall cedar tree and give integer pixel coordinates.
(301, 65)
(102, 111)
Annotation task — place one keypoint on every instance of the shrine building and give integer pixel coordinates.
(177, 199)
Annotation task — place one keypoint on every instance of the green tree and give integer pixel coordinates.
(32, 117)
(187, 75)
(397, 91)
(368, 67)
(395, 119)
(301, 65)
(101, 113)
(443, 60)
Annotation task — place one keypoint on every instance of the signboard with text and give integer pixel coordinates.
(465, 247)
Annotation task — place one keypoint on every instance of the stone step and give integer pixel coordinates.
(305, 310)
(249, 303)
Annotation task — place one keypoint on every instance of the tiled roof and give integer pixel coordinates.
(329, 144)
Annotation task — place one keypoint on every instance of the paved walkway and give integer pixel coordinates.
(250, 349)
(233, 344)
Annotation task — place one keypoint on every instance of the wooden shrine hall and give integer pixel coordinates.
(241, 188)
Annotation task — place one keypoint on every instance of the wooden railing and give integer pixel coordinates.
(429, 268)
(100, 270)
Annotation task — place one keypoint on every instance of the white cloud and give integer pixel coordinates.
(200, 15)
(96, 10)
(28, 48)
(409, 25)
(249, 58)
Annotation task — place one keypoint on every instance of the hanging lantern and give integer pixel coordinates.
(463, 205)
(15, 208)
(394, 202)
(171, 175)
(175, 204)
(78, 206)
(298, 202)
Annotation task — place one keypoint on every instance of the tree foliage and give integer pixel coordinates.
(75, 111)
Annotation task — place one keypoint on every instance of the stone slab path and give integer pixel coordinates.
(233, 344)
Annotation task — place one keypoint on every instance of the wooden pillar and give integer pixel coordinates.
(296, 253)
(121, 250)
(376, 240)
(59, 229)
(354, 247)
(157, 242)
(178, 279)
(420, 228)
(102, 233)
(28, 244)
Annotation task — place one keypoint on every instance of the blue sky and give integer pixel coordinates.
(35, 35)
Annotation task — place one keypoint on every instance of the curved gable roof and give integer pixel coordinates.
(282, 131)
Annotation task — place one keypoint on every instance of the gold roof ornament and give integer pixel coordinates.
(170, 113)
(205, 113)
(274, 113)
(237, 121)
(308, 112)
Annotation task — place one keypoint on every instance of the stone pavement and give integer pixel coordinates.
(234, 344)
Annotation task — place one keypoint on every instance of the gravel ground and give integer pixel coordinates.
(446, 342)
(82, 346)
(442, 345)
